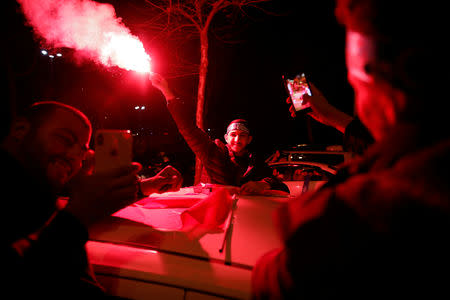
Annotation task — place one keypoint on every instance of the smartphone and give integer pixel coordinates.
(296, 88)
(113, 149)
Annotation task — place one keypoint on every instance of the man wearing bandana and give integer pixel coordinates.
(379, 229)
(227, 164)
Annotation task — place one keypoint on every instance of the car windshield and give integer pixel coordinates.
(300, 173)
(325, 158)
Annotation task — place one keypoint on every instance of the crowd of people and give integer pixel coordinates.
(378, 228)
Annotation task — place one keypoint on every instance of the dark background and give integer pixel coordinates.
(246, 61)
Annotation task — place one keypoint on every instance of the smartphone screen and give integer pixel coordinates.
(113, 149)
(296, 88)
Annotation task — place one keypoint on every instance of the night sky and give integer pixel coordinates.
(244, 81)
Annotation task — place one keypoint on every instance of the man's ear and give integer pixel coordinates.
(250, 138)
(19, 129)
(225, 136)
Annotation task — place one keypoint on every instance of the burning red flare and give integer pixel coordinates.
(90, 27)
(126, 52)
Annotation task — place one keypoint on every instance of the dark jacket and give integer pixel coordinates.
(356, 137)
(378, 229)
(44, 247)
(221, 165)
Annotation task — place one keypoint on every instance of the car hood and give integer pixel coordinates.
(253, 232)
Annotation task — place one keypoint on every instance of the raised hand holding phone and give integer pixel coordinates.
(297, 88)
(325, 113)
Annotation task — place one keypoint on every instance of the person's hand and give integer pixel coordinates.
(167, 180)
(94, 196)
(254, 187)
(324, 112)
(161, 84)
(319, 104)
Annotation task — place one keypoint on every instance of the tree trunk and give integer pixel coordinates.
(203, 70)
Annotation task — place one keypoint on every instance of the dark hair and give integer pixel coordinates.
(399, 20)
(38, 112)
(243, 121)
(411, 37)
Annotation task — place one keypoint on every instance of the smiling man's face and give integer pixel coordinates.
(238, 140)
(57, 148)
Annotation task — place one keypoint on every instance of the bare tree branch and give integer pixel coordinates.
(187, 18)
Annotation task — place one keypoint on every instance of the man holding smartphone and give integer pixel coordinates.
(379, 228)
(46, 152)
(227, 164)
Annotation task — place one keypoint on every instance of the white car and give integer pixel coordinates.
(135, 260)
(141, 252)
(304, 168)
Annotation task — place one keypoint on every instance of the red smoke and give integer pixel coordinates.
(89, 26)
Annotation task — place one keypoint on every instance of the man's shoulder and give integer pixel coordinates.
(428, 165)
(418, 177)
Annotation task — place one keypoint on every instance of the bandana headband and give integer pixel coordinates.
(237, 126)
